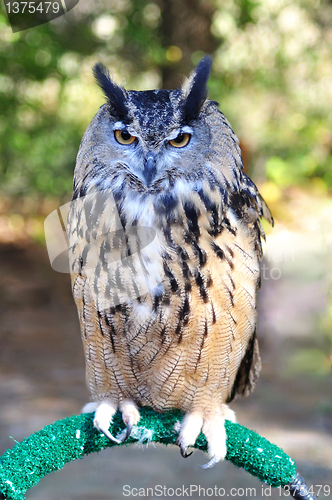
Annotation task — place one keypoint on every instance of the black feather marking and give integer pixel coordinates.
(202, 345)
(104, 331)
(118, 194)
(168, 235)
(202, 290)
(192, 214)
(179, 332)
(224, 196)
(243, 251)
(183, 253)
(166, 300)
(213, 209)
(185, 270)
(230, 251)
(214, 319)
(230, 263)
(112, 340)
(174, 284)
(209, 205)
(209, 281)
(156, 302)
(137, 292)
(111, 330)
(163, 331)
(81, 261)
(198, 92)
(170, 276)
(115, 95)
(83, 257)
(234, 320)
(229, 227)
(218, 251)
(201, 254)
(239, 202)
(230, 295)
(123, 220)
(166, 203)
(205, 328)
(183, 318)
(167, 271)
(184, 313)
(259, 282)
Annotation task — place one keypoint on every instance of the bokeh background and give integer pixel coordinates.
(272, 75)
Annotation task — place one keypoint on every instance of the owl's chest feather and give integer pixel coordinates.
(195, 255)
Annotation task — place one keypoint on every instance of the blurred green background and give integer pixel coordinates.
(272, 75)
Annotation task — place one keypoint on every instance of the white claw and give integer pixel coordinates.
(212, 424)
(130, 416)
(190, 428)
(104, 413)
(210, 464)
(107, 433)
(103, 418)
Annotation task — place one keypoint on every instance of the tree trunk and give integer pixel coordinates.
(185, 24)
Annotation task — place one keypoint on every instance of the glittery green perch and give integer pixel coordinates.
(74, 437)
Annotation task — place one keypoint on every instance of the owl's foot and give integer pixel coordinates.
(130, 416)
(104, 413)
(212, 424)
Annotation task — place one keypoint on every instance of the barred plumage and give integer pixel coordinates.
(165, 247)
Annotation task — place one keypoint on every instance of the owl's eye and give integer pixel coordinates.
(123, 137)
(181, 140)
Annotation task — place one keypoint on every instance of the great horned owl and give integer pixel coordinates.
(164, 234)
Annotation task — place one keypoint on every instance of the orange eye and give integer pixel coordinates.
(123, 137)
(181, 140)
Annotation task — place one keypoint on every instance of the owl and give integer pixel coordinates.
(165, 243)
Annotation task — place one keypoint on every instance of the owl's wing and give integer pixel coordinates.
(250, 207)
(248, 372)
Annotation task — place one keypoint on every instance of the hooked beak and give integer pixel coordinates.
(150, 169)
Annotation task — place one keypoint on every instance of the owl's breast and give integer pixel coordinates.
(193, 331)
(171, 282)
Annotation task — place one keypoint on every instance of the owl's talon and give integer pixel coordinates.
(103, 417)
(130, 416)
(210, 464)
(129, 428)
(107, 433)
(183, 451)
(183, 448)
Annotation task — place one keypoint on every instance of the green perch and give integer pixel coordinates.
(74, 437)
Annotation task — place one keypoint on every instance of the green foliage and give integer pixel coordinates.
(47, 93)
(277, 68)
(272, 76)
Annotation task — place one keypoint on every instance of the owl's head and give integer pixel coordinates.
(150, 139)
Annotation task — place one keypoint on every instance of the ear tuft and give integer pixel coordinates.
(113, 93)
(195, 90)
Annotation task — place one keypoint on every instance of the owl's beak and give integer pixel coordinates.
(150, 169)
